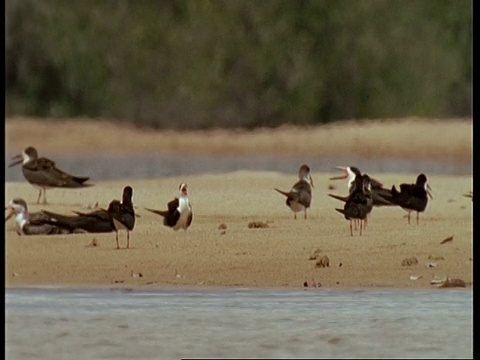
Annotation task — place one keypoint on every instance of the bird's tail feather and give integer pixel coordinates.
(380, 200)
(338, 197)
(282, 192)
(158, 212)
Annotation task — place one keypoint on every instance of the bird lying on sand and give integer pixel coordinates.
(40, 224)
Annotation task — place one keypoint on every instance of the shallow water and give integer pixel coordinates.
(148, 166)
(238, 323)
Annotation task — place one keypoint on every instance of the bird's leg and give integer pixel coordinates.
(128, 239)
(361, 225)
(116, 238)
(355, 221)
(409, 218)
(295, 216)
(305, 214)
(351, 232)
(365, 222)
(39, 195)
(44, 196)
(418, 215)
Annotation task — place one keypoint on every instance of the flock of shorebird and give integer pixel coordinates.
(364, 193)
(120, 215)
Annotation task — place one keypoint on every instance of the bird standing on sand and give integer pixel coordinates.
(122, 214)
(42, 173)
(299, 197)
(350, 173)
(38, 225)
(360, 202)
(411, 197)
(179, 212)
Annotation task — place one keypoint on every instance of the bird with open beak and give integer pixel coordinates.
(42, 173)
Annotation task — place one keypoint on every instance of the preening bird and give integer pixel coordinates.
(179, 212)
(122, 214)
(299, 198)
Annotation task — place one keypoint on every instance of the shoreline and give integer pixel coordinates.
(215, 289)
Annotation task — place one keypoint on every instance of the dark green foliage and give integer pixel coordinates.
(203, 63)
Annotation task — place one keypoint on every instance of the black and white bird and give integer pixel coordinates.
(412, 197)
(299, 198)
(122, 214)
(42, 173)
(350, 173)
(34, 225)
(96, 221)
(179, 212)
(359, 203)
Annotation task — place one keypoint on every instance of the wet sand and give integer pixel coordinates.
(275, 256)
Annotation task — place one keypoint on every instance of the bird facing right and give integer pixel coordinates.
(412, 197)
(299, 197)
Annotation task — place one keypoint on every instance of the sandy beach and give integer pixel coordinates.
(390, 253)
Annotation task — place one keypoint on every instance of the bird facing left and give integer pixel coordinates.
(43, 174)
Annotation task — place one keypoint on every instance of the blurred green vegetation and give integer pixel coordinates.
(245, 63)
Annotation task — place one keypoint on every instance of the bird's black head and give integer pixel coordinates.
(127, 195)
(304, 168)
(421, 179)
(31, 152)
(422, 182)
(355, 170)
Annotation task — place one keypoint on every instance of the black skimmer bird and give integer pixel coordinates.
(360, 202)
(122, 214)
(412, 197)
(350, 172)
(97, 221)
(38, 225)
(43, 174)
(299, 197)
(179, 212)
(35, 217)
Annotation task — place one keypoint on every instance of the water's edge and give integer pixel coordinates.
(149, 166)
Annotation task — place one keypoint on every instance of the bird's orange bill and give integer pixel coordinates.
(10, 213)
(18, 159)
(344, 176)
(429, 191)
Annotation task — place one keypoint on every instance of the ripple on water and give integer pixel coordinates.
(262, 324)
